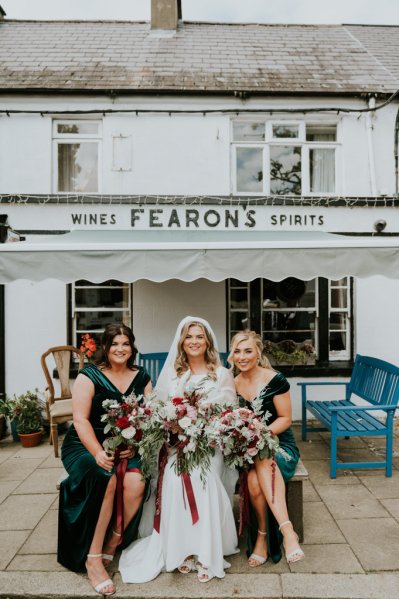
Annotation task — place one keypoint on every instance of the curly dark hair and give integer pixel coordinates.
(112, 330)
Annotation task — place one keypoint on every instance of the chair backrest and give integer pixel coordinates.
(62, 355)
(153, 363)
(375, 380)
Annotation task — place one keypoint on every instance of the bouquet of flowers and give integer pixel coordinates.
(181, 423)
(241, 435)
(125, 422)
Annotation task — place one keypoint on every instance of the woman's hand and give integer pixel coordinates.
(127, 453)
(104, 460)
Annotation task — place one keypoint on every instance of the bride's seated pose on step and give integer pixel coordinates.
(181, 540)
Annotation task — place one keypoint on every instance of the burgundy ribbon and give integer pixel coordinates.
(121, 470)
(187, 487)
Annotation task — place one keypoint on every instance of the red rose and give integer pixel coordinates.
(122, 422)
(177, 401)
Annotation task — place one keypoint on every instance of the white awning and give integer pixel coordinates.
(188, 255)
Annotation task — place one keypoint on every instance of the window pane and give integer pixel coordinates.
(293, 325)
(249, 169)
(239, 298)
(78, 128)
(78, 167)
(108, 298)
(322, 170)
(339, 298)
(238, 321)
(91, 321)
(290, 292)
(321, 132)
(285, 170)
(249, 131)
(338, 341)
(286, 131)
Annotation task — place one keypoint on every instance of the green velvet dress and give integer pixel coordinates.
(82, 492)
(277, 386)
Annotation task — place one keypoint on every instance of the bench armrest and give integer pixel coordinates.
(387, 408)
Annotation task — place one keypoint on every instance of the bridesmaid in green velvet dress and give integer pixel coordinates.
(95, 516)
(268, 520)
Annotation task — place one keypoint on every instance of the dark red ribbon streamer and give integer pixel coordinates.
(186, 486)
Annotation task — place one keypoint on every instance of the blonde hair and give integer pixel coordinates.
(211, 355)
(248, 335)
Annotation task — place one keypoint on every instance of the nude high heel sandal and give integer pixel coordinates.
(258, 558)
(110, 556)
(103, 584)
(297, 554)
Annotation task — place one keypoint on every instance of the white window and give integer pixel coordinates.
(284, 157)
(76, 156)
(96, 304)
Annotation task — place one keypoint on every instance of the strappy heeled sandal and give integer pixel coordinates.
(297, 554)
(187, 566)
(258, 558)
(104, 583)
(204, 575)
(110, 556)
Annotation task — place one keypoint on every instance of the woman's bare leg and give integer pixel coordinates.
(279, 506)
(94, 565)
(259, 504)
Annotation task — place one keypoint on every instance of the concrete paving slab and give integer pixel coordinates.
(344, 586)
(328, 559)
(382, 486)
(356, 502)
(7, 487)
(319, 474)
(51, 462)
(10, 542)
(42, 480)
(42, 450)
(36, 563)
(54, 505)
(17, 468)
(313, 450)
(7, 452)
(319, 526)
(239, 565)
(375, 542)
(175, 585)
(23, 512)
(43, 539)
(309, 492)
(392, 505)
(44, 584)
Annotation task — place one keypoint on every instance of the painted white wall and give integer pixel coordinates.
(159, 307)
(36, 319)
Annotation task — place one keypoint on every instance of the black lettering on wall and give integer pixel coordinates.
(208, 215)
(192, 216)
(174, 218)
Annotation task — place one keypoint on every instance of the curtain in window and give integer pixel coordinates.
(322, 170)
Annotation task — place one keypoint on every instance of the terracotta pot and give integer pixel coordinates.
(30, 439)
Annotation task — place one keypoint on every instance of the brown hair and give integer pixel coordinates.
(112, 330)
(211, 355)
(248, 335)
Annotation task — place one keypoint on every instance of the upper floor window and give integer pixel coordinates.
(282, 158)
(76, 156)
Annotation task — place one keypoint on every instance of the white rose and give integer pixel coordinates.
(170, 411)
(184, 422)
(128, 433)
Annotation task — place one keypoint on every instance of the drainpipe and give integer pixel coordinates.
(369, 129)
(2, 344)
(396, 153)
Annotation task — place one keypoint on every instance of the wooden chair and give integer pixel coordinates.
(59, 407)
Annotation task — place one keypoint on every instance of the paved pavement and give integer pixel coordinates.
(351, 534)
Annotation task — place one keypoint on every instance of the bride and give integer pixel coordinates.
(192, 362)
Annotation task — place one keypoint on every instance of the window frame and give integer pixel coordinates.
(74, 138)
(301, 141)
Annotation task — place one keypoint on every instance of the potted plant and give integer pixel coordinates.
(5, 413)
(290, 353)
(27, 410)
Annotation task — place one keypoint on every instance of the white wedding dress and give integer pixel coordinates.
(214, 535)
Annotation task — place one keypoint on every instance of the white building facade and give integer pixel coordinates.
(210, 160)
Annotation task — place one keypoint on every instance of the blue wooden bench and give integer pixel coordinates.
(153, 363)
(376, 382)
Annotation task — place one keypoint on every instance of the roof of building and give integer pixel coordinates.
(198, 57)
